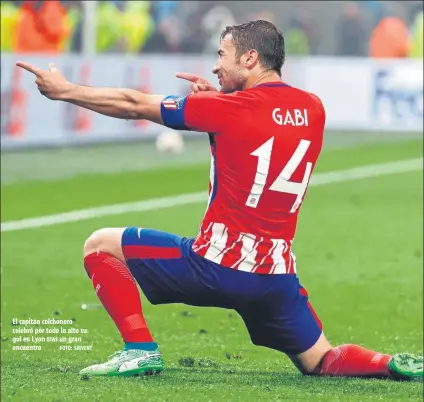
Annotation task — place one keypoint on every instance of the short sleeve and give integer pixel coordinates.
(204, 111)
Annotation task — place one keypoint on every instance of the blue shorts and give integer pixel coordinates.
(275, 308)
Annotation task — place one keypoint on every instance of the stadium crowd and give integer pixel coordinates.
(357, 28)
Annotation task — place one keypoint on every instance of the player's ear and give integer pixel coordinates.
(251, 58)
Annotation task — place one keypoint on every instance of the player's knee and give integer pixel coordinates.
(96, 242)
(309, 362)
(106, 240)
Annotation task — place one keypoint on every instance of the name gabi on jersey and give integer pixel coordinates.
(294, 117)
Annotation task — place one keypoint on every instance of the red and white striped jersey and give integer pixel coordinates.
(265, 142)
(245, 251)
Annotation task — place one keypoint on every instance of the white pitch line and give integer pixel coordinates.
(318, 179)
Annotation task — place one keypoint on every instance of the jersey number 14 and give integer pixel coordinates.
(282, 183)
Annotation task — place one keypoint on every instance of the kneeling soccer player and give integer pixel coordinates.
(265, 139)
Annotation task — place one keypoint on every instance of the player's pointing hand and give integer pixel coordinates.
(197, 83)
(51, 83)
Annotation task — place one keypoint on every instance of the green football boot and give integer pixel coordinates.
(129, 362)
(406, 367)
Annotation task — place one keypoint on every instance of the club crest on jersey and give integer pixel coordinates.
(293, 117)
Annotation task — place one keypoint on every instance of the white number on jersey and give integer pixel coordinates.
(282, 183)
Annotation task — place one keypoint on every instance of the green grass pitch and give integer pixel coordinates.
(359, 249)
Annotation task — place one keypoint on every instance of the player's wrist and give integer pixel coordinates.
(70, 92)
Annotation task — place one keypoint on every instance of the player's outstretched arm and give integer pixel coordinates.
(122, 103)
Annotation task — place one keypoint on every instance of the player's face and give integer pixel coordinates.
(230, 73)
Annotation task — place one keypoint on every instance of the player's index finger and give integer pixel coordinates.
(188, 77)
(29, 67)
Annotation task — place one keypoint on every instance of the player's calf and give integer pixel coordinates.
(308, 361)
(355, 361)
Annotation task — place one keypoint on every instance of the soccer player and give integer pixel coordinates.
(265, 138)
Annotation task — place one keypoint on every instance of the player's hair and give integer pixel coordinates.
(264, 37)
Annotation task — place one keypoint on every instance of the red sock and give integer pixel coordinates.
(116, 289)
(353, 361)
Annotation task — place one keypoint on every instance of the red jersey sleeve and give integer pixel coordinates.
(209, 111)
(203, 111)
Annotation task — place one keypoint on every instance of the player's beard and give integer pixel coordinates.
(231, 83)
(227, 90)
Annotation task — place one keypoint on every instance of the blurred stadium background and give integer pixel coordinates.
(329, 28)
(359, 245)
(334, 48)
